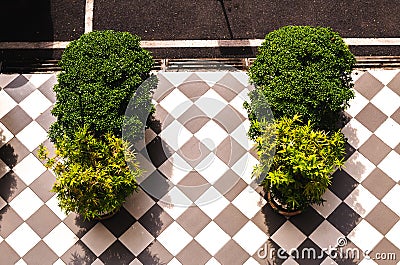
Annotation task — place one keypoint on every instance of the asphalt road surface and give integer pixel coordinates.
(63, 20)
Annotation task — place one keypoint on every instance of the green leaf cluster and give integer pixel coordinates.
(300, 171)
(94, 175)
(100, 73)
(302, 70)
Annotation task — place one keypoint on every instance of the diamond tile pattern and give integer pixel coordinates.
(196, 205)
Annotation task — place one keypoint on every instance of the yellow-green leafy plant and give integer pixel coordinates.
(94, 174)
(300, 171)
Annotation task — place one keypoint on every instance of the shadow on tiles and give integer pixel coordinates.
(8, 182)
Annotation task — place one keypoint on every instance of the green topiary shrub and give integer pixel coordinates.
(94, 175)
(300, 171)
(100, 72)
(303, 70)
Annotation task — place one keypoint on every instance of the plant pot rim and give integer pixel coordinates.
(107, 215)
(278, 208)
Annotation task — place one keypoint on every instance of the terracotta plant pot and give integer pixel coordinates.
(278, 208)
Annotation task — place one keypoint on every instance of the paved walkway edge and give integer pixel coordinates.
(188, 43)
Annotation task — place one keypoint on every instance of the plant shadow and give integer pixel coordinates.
(8, 182)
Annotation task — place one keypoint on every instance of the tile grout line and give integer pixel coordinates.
(89, 15)
(184, 43)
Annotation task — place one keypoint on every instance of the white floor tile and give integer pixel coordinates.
(7, 103)
(26, 203)
(392, 199)
(35, 104)
(98, 239)
(212, 202)
(365, 236)
(136, 238)
(32, 136)
(4, 169)
(211, 168)
(211, 103)
(386, 101)
(175, 202)
(212, 238)
(211, 135)
(211, 78)
(176, 168)
(53, 205)
(250, 238)
(176, 78)
(213, 261)
(356, 104)
(244, 167)
(249, 202)
(362, 201)
(39, 79)
(358, 166)
(5, 79)
(330, 204)
(5, 135)
(240, 135)
(326, 235)
(288, 236)
(356, 133)
(174, 261)
(393, 235)
(175, 135)
(391, 165)
(60, 239)
(22, 239)
(388, 132)
(29, 169)
(176, 103)
(385, 76)
(174, 238)
(238, 101)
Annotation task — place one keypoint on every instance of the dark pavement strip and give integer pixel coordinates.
(204, 19)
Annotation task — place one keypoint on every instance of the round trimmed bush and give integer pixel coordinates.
(100, 72)
(303, 70)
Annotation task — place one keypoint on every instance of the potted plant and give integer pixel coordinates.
(94, 175)
(300, 171)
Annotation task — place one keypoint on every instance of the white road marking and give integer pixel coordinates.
(89, 16)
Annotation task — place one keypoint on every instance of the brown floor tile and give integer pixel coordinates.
(193, 151)
(38, 225)
(230, 151)
(193, 119)
(155, 253)
(375, 149)
(368, 86)
(8, 255)
(194, 87)
(386, 250)
(394, 84)
(231, 220)
(40, 254)
(232, 254)
(193, 254)
(9, 221)
(194, 185)
(371, 117)
(193, 220)
(378, 183)
(382, 218)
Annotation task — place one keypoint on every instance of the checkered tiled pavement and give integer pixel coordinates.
(198, 163)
